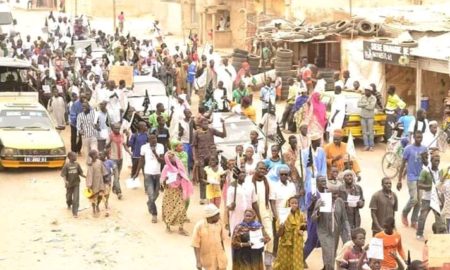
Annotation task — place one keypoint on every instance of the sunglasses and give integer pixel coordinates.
(285, 174)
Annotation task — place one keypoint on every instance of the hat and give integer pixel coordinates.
(211, 210)
(433, 122)
(338, 132)
(368, 87)
(302, 90)
(315, 136)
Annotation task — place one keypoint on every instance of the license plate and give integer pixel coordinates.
(35, 159)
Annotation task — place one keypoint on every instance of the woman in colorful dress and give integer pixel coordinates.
(244, 256)
(177, 189)
(290, 243)
(315, 114)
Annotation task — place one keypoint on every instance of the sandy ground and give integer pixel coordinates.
(38, 231)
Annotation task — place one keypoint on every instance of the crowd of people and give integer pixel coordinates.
(277, 201)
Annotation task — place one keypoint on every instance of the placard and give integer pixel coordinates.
(283, 214)
(118, 73)
(328, 202)
(256, 238)
(376, 249)
(438, 250)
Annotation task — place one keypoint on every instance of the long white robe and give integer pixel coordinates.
(57, 109)
(337, 105)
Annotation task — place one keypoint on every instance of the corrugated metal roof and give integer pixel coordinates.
(434, 18)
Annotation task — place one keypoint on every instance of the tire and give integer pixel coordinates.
(284, 53)
(244, 52)
(365, 28)
(390, 164)
(342, 25)
(283, 64)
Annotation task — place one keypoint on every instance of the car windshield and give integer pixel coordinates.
(24, 119)
(5, 18)
(238, 132)
(154, 89)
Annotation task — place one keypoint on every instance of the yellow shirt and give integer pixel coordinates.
(394, 102)
(208, 238)
(292, 94)
(250, 112)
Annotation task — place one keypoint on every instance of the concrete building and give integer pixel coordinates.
(167, 12)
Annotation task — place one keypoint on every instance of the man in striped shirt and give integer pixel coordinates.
(87, 128)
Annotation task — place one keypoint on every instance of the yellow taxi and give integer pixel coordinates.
(28, 137)
(352, 121)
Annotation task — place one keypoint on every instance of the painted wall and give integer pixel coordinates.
(168, 13)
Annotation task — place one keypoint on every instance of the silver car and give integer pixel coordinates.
(238, 132)
(156, 92)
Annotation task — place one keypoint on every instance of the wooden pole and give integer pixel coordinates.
(114, 16)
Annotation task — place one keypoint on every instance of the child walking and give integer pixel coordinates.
(214, 177)
(111, 170)
(94, 181)
(71, 173)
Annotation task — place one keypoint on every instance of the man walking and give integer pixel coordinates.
(412, 160)
(383, 204)
(367, 104)
(267, 95)
(86, 127)
(152, 156)
(428, 179)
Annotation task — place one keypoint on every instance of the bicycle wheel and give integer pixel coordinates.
(390, 164)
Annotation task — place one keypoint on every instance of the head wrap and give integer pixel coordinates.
(211, 210)
(177, 168)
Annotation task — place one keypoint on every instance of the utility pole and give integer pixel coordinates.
(114, 16)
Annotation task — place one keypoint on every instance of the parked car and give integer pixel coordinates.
(28, 137)
(156, 91)
(352, 121)
(238, 132)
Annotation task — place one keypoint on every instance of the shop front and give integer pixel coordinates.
(422, 82)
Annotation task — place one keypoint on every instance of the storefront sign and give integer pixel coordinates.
(386, 53)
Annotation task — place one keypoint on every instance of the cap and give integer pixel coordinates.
(211, 210)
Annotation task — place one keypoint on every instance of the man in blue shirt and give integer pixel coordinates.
(405, 120)
(412, 160)
(136, 141)
(267, 95)
(192, 69)
(75, 110)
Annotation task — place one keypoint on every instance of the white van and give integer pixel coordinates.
(7, 21)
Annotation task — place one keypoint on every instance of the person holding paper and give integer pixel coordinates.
(178, 188)
(353, 196)
(312, 241)
(265, 214)
(282, 190)
(57, 109)
(392, 243)
(214, 176)
(244, 256)
(290, 233)
(429, 177)
(330, 226)
(151, 160)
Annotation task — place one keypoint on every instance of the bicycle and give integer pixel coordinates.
(392, 159)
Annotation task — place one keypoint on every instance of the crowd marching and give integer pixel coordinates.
(276, 202)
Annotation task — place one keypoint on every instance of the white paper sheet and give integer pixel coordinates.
(46, 89)
(283, 214)
(171, 177)
(256, 238)
(376, 250)
(328, 201)
(352, 200)
(313, 186)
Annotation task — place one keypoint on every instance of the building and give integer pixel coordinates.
(230, 23)
(167, 12)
